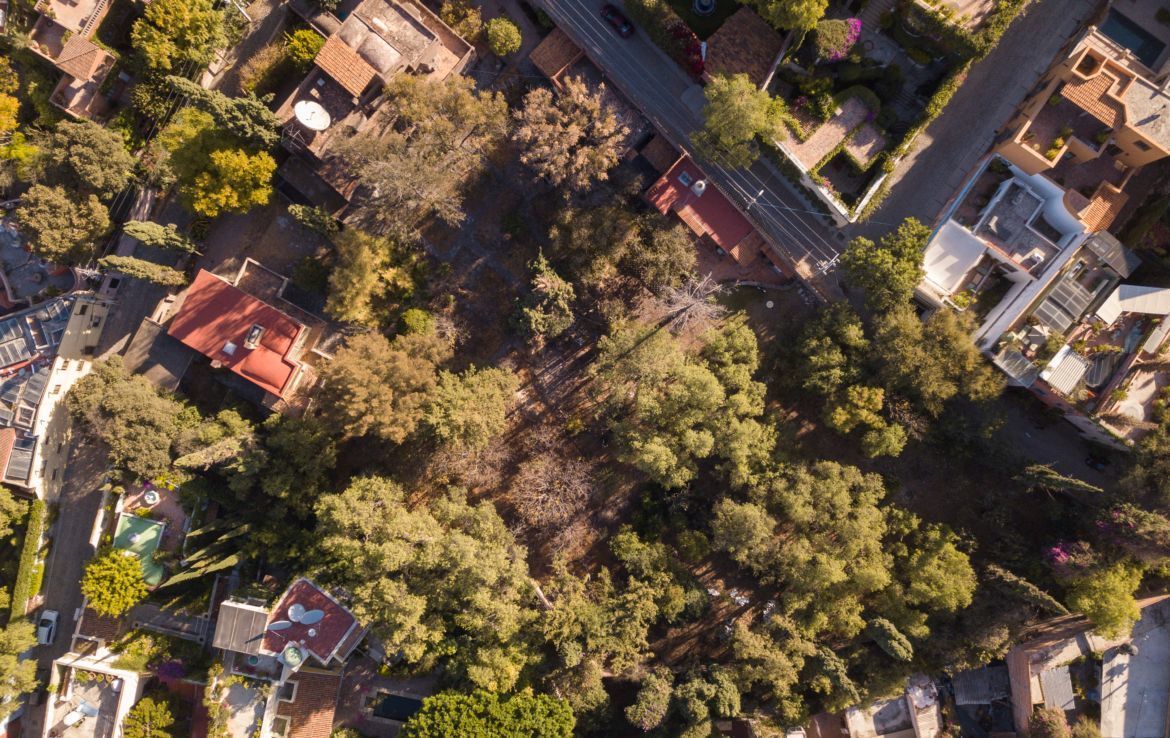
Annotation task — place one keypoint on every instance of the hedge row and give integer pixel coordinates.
(938, 102)
(976, 44)
(26, 574)
(669, 31)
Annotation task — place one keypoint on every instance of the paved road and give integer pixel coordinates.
(70, 549)
(948, 151)
(669, 98)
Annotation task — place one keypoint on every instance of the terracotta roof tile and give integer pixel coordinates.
(80, 58)
(555, 54)
(1090, 96)
(1103, 209)
(102, 627)
(310, 715)
(345, 65)
(325, 638)
(744, 44)
(710, 214)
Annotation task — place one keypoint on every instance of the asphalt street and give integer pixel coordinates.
(673, 102)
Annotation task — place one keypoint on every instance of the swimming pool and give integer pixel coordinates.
(1133, 37)
(397, 707)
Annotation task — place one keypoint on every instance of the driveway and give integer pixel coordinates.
(673, 102)
(77, 507)
(948, 150)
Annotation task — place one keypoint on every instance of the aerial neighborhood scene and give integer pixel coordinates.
(553, 368)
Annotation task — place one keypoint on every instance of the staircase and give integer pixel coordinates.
(98, 12)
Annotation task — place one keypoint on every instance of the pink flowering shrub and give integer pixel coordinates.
(688, 48)
(834, 38)
(1070, 559)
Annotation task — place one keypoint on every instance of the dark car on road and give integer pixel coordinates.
(618, 20)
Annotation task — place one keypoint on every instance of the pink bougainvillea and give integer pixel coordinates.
(834, 38)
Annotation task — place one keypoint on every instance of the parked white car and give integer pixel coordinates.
(47, 627)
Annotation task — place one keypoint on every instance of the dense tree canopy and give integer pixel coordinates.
(888, 271)
(736, 114)
(485, 714)
(151, 717)
(571, 139)
(381, 387)
(791, 15)
(175, 33)
(371, 276)
(113, 582)
(18, 675)
(1105, 595)
(669, 410)
(503, 36)
(547, 311)
(126, 412)
(87, 158)
(150, 271)
(61, 227)
(417, 163)
(444, 581)
(468, 410)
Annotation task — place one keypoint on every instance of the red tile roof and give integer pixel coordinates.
(345, 65)
(744, 44)
(324, 639)
(215, 314)
(80, 58)
(7, 441)
(310, 714)
(710, 214)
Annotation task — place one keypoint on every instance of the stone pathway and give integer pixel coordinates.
(852, 113)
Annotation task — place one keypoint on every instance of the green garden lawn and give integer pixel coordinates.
(141, 536)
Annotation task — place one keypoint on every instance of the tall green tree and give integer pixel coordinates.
(371, 277)
(888, 271)
(547, 311)
(160, 236)
(149, 271)
(137, 423)
(480, 713)
(62, 227)
(233, 182)
(468, 410)
(419, 163)
(791, 15)
(571, 139)
(247, 119)
(88, 158)
(11, 510)
(380, 387)
(175, 33)
(439, 583)
(737, 113)
(1105, 595)
(653, 701)
(934, 361)
(18, 675)
(113, 582)
(151, 717)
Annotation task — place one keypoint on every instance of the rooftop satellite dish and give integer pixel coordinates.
(279, 625)
(699, 187)
(312, 115)
(312, 616)
(296, 611)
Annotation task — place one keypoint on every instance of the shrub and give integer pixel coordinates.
(302, 46)
(113, 582)
(26, 574)
(417, 321)
(463, 17)
(259, 72)
(834, 38)
(503, 36)
(1048, 722)
(1162, 15)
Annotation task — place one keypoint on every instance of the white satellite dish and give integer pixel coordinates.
(699, 187)
(312, 115)
(280, 625)
(296, 611)
(312, 616)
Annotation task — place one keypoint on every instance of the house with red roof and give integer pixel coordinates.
(685, 192)
(242, 333)
(300, 645)
(62, 36)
